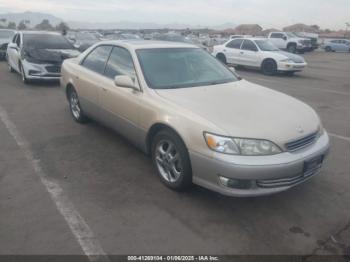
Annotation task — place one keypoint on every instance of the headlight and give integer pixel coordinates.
(240, 146)
(288, 60)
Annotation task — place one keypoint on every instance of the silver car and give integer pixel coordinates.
(38, 55)
(338, 45)
(197, 119)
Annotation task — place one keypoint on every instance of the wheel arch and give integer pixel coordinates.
(154, 129)
(268, 59)
(69, 87)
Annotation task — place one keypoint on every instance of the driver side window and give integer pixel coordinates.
(120, 63)
(249, 46)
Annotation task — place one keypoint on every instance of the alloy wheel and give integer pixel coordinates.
(74, 105)
(168, 161)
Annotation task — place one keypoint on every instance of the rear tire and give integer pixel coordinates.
(328, 49)
(171, 160)
(75, 108)
(269, 67)
(222, 58)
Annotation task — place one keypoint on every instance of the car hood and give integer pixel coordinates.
(295, 58)
(50, 55)
(244, 109)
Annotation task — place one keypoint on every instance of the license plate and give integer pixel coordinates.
(313, 165)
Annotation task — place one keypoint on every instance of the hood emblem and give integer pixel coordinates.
(300, 130)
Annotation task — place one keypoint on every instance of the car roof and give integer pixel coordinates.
(147, 44)
(39, 32)
(251, 38)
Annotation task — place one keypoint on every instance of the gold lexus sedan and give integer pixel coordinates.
(198, 120)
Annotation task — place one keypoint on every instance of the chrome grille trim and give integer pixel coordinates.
(287, 182)
(301, 143)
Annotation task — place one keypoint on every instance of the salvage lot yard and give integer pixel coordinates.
(115, 190)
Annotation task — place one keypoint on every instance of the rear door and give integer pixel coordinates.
(89, 79)
(232, 51)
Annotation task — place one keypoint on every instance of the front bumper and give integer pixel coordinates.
(290, 66)
(282, 171)
(304, 48)
(41, 71)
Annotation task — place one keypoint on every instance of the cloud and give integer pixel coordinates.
(268, 13)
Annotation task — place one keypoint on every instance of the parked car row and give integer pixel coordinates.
(198, 120)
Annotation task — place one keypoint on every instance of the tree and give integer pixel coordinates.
(22, 25)
(44, 25)
(11, 25)
(62, 27)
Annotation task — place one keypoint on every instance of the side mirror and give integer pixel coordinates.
(125, 81)
(284, 38)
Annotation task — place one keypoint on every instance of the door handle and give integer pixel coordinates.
(104, 89)
(242, 52)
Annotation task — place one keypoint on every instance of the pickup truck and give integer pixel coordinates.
(290, 42)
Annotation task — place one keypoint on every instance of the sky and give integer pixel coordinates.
(331, 14)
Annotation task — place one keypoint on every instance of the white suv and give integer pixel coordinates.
(259, 53)
(290, 42)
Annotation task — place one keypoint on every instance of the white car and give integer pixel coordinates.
(290, 42)
(259, 53)
(38, 55)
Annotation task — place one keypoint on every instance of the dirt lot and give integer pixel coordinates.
(112, 188)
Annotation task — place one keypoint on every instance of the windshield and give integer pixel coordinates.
(266, 45)
(6, 34)
(46, 41)
(168, 68)
(291, 35)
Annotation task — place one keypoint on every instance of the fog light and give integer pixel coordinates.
(34, 72)
(235, 183)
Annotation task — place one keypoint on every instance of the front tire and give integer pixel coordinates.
(11, 70)
(269, 67)
(222, 58)
(23, 75)
(75, 107)
(328, 49)
(171, 160)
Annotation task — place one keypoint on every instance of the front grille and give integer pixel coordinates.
(287, 182)
(53, 69)
(302, 142)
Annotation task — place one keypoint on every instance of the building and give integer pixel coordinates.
(302, 28)
(248, 29)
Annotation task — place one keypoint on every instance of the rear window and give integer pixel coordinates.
(46, 41)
